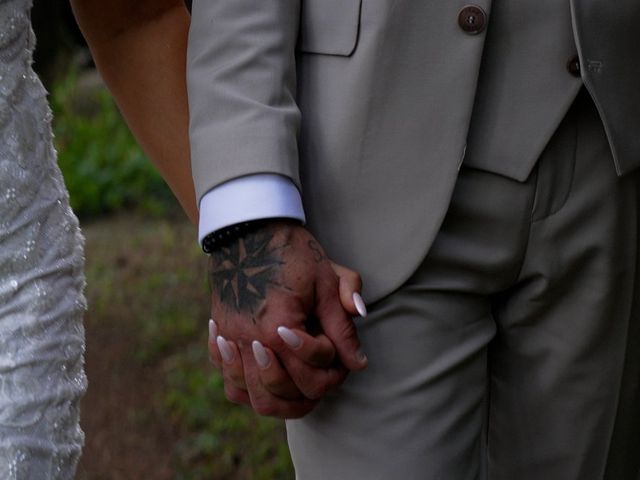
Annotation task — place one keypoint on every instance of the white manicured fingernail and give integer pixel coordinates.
(213, 330)
(289, 337)
(360, 306)
(260, 354)
(225, 350)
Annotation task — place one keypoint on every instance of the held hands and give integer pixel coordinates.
(283, 334)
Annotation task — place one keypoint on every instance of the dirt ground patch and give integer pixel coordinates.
(127, 434)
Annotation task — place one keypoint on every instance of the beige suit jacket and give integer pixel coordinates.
(365, 105)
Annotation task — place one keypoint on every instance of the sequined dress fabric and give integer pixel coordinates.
(41, 280)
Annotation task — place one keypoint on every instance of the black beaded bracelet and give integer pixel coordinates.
(226, 236)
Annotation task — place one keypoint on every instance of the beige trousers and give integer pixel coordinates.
(512, 353)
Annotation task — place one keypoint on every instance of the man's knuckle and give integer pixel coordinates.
(264, 408)
(315, 390)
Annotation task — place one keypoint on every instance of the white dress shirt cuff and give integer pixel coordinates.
(254, 197)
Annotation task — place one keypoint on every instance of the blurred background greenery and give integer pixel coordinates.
(155, 407)
(105, 170)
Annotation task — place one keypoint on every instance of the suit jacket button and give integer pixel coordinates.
(472, 19)
(573, 66)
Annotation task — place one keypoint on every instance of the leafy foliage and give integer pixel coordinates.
(104, 168)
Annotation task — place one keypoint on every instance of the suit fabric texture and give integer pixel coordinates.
(489, 200)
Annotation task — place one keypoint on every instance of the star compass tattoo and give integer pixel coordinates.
(242, 273)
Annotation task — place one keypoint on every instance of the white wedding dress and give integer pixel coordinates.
(41, 280)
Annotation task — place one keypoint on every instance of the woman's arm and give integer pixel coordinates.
(140, 49)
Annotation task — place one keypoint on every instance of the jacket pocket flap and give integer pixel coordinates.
(329, 26)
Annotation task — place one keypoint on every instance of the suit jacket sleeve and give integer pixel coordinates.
(241, 82)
